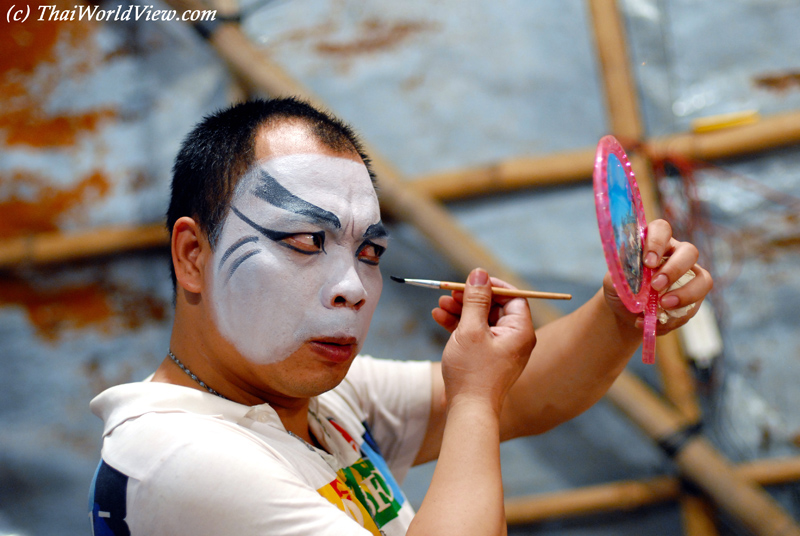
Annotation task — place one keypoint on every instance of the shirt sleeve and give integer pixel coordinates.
(395, 400)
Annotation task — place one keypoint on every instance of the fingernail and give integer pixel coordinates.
(668, 302)
(639, 323)
(478, 277)
(651, 260)
(659, 282)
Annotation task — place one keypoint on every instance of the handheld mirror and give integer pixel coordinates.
(622, 223)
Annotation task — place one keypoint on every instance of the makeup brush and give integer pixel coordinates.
(450, 285)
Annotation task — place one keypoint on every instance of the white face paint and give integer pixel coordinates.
(296, 261)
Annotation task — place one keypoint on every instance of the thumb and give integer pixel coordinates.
(477, 301)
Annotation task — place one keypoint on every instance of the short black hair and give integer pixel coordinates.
(221, 149)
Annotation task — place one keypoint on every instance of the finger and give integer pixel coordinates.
(445, 319)
(495, 314)
(448, 313)
(477, 301)
(454, 306)
(692, 292)
(683, 257)
(657, 240)
(499, 283)
(513, 311)
(451, 305)
(507, 309)
(457, 295)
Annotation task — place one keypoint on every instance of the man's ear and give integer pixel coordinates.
(190, 248)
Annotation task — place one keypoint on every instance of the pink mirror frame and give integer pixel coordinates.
(636, 302)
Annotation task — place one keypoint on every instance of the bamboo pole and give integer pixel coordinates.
(671, 363)
(768, 133)
(677, 381)
(697, 515)
(241, 56)
(632, 494)
(48, 248)
(643, 170)
(771, 472)
(507, 175)
(239, 89)
(576, 166)
(620, 88)
(626, 124)
(612, 497)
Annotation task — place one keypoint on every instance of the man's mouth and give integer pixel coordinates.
(336, 349)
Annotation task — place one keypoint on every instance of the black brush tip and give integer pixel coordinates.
(397, 279)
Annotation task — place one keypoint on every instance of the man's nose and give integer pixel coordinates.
(345, 289)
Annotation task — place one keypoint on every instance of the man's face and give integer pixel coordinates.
(295, 270)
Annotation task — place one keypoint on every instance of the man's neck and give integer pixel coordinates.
(295, 420)
(293, 414)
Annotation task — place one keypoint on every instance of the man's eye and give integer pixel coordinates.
(306, 243)
(370, 253)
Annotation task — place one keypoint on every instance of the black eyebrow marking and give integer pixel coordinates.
(236, 245)
(238, 262)
(269, 233)
(376, 230)
(270, 190)
(277, 236)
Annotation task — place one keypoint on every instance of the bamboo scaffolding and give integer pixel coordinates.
(632, 494)
(740, 498)
(622, 102)
(457, 245)
(623, 106)
(699, 462)
(509, 175)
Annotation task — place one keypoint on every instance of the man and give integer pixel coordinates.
(262, 420)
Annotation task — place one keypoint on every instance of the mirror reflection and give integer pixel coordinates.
(627, 234)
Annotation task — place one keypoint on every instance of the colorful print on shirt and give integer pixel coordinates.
(369, 484)
(340, 495)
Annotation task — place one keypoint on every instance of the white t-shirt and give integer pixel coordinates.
(178, 461)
